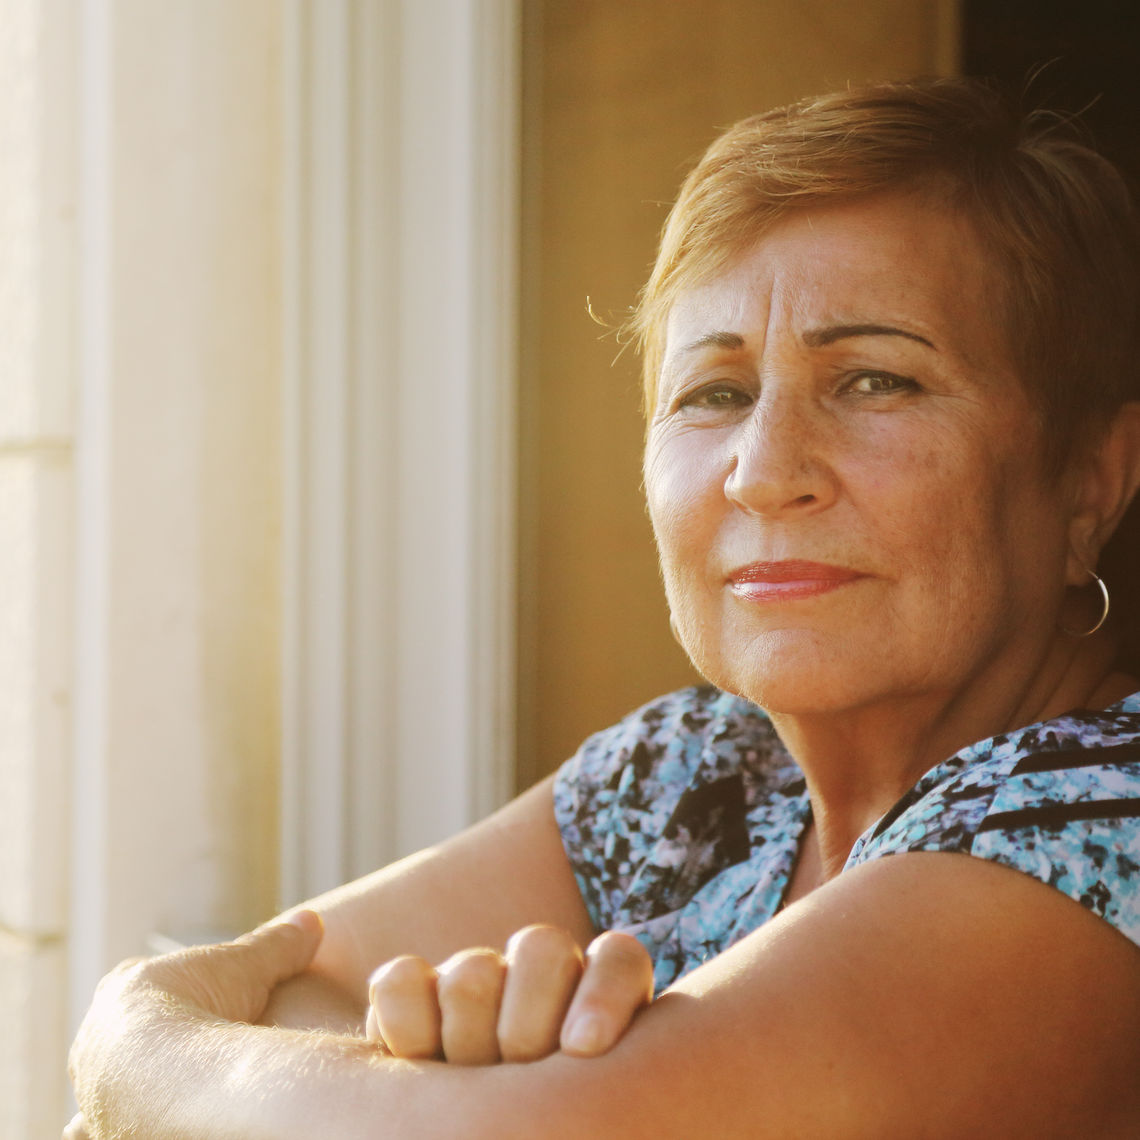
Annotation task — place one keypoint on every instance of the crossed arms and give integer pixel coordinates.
(919, 995)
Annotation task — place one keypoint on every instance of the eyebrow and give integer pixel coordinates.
(820, 338)
(715, 340)
(813, 338)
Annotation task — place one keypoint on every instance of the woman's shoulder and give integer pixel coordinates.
(1059, 800)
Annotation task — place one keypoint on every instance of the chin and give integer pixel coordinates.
(796, 673)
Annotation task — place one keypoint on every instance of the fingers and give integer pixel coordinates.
(233, 980)
(617, 982)
(543, 967)
(76, 1129)
(480, 1007)
(404, 1008)
(470, 992)
(284, 947)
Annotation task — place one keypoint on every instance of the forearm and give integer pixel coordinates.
(170, 1073)
(311, 1001)
(476, 889)
(163, 1071)
(177, 1076)
(168, 1052)
(282, 1085)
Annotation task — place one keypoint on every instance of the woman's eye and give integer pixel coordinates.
(881, 383)
(716, 397)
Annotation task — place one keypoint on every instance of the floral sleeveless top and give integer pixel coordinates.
(683, 822)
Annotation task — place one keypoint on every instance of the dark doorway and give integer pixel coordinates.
(1067, 55)
(1075, 56)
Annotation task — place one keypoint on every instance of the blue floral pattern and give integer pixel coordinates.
(683, 822)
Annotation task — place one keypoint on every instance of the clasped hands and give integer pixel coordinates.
(479, 1007)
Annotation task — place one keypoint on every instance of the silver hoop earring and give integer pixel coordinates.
(1103, 614)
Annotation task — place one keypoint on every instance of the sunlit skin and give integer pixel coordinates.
(846, 481)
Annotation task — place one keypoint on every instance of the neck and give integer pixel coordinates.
(858, 762)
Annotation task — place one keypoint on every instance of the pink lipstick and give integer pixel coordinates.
(787, 581)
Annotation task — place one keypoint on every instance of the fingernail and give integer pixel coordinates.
(373, 978)
(307, 920)
(589, 1034)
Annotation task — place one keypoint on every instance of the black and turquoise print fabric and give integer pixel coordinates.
(682, 823)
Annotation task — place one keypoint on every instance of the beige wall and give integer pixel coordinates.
(620, 98)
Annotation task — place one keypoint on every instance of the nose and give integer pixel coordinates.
(778, 464)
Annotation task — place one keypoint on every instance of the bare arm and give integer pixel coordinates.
(476, 889)
(933, 995)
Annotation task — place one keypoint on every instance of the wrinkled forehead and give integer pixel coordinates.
(899, 260)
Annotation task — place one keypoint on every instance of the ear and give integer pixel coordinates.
(1106, 481)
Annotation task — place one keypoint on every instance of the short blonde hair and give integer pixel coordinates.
(1056, 215)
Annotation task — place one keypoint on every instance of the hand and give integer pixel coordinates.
(481, 1007)
(233, 980)
(230, 981)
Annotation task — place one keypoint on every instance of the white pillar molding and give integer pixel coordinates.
(38, 103)
(400, 229)
(90, 888)
(177, 382)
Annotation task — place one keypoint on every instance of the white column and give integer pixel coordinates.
(177, 598)
(37, 187)
(400, 365)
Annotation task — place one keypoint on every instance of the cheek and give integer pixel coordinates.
(681, 489)
(934, 487)
(684, 494)
(969, 524)
(679, 542)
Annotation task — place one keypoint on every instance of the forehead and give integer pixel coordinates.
(899, 260)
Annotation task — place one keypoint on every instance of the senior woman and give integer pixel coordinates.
(891, 350)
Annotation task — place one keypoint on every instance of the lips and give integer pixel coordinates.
(788, 580)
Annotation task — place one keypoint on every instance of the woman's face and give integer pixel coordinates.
(844, 473)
